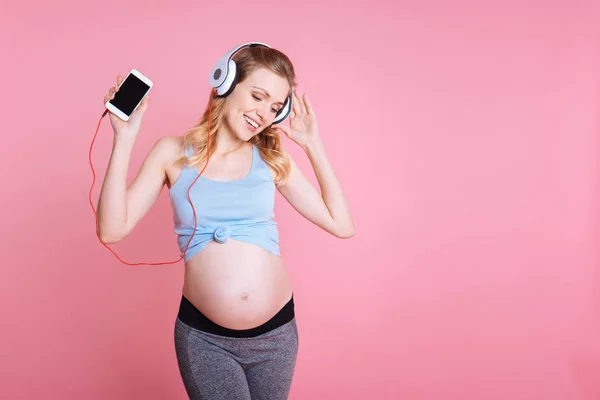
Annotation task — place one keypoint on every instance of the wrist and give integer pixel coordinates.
(314, 144)
(124, 139)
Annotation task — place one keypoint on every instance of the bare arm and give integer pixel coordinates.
(329, 209)
(120, 207)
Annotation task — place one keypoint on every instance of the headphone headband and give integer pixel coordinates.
(222, 67)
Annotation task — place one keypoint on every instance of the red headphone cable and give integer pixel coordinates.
(189, 197)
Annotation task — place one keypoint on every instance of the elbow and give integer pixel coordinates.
(109, 240)
(346, 233)
(109, 237)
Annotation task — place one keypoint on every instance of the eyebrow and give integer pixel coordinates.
(267, 93)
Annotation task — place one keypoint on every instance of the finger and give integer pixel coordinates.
(119, 80)
(301, 105)
(292, 115)
(109, 96)
(307, 104)
(295, 104)
(298, 108)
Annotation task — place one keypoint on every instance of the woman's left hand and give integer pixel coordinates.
(303, 127)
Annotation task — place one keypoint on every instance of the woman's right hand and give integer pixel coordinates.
(132, 126)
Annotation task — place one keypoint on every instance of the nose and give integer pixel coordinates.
(263, 112)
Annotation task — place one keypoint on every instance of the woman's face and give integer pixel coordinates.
(253, 104)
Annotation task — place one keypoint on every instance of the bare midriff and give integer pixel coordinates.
(236, 285)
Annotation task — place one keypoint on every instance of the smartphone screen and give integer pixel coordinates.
(130, 93)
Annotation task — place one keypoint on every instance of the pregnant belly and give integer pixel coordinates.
(236, 285)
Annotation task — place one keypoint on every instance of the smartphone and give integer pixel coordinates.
(131, 92)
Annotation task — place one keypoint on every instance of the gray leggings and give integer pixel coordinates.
(215, 367)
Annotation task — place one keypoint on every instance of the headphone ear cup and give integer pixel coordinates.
(217, 75)
(231, 80)
(284, 112)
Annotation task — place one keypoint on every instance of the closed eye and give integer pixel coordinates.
(259, 100)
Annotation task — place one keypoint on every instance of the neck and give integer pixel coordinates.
(227, 142)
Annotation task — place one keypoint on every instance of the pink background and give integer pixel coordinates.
(465, 136)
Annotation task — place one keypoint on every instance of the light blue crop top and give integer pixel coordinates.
(241, 209)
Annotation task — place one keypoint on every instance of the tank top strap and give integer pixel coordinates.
(259, 166)
(187, 170)
(256, 159)
(188, 151)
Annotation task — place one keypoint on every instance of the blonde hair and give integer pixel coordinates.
(267, 141)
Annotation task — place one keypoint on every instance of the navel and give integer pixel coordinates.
(244, 296)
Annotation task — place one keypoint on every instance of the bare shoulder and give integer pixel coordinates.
(169, 149)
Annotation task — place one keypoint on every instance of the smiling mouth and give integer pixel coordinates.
(253, 125)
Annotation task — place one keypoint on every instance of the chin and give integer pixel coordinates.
(245, 135)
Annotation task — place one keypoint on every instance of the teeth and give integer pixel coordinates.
(254, 124)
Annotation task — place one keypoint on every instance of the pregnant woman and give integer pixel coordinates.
(235, 333)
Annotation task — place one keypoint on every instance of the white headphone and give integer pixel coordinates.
(225, 75)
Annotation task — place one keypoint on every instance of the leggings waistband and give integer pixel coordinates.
(190, 315)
